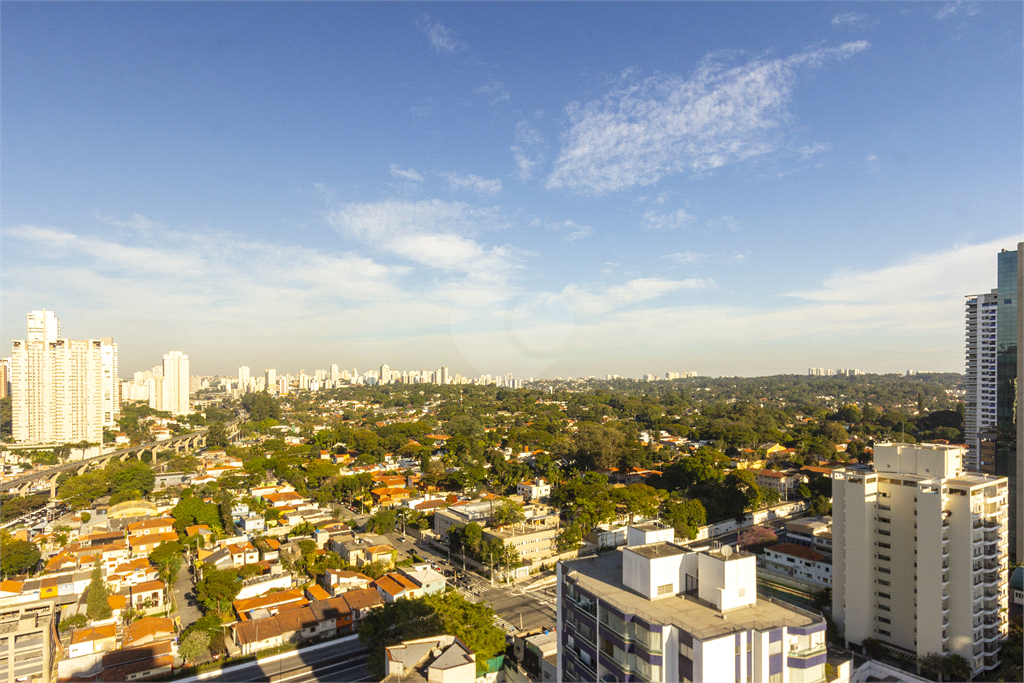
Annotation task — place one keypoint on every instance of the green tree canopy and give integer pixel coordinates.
(97, 606)
(17, 557)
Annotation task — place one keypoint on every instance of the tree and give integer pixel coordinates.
(597, 446)
(167, 558)
(637, 499)
(17, 557)
(217, 436)
(194, 645)
(821, 505)
(430, 615)
(685, 516)
(382, 522)
(74, 621)
(261, 406)
(757, 536)
(98, 606)
(217, 589)
(507, 512)
(79, 492)
(86, 517)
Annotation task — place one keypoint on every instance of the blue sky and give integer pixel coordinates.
(547, 189)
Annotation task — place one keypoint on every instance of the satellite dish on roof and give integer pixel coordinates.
(726, 550)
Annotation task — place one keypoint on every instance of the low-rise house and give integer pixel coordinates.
(139, 663)
(147, 594)
(159, 525)
(799, 562)
(444, 659)
(279, 500)
(87, 641)
(142, 546)
(262, 584)
(533, 489)
(781, 482)
(252, 523)
(428, 580)
(272, 603)
(813, 532)
(270, 549)
(147, 630)
(337, 581)
(200, 530)
(394, 586)
(389, 496)
(242, 554)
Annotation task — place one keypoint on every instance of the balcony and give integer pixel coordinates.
(991, 551)
(991, 648)
(991, 607)
(992, 634)
(992, 578)
(945, 580)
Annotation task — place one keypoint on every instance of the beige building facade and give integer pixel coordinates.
(920, 553)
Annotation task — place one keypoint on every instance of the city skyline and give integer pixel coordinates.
(491, 188)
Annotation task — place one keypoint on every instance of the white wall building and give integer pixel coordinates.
(175, 383)
(980, 380)
(656, 611)
(56, 385)
(920, 553)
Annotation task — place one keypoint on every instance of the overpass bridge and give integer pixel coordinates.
(183, 443)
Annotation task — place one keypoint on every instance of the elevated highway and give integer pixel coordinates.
(183, 443)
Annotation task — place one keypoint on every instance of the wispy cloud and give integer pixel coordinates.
(958, 9)
(666, 124)
(848, 19)
(495, 91)
(588, 301)
(136, 222)
(527, 151)
(686, 256)
(726, 222)
(808, 151)
(432, 233)
(406, 173)
(667, 221)
(473, 182)
(442, 38)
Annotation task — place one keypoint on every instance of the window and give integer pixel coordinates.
(665, 589)
(884, 620)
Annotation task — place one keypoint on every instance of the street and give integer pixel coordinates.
(345, 661)
(185, 598)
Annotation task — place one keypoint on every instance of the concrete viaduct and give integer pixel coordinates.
(184, 443)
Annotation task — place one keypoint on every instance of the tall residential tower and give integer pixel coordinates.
(980, 415)
(920, 554)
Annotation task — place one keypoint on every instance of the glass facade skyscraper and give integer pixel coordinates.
(1007, 458)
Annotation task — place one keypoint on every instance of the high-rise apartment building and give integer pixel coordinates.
(385, 374)
(920, 554)
(270, 374)
(56, 385)
(111, 382)
(982, 313)
(655, 611)
(243, 378)
(175, 383)
(1008, 460)
(5, 377)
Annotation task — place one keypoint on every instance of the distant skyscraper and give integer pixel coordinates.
(56, 385)
(111, 383)
(385, 374)
(175, 384)
(445, 378)
(5, 377)
(980, 413)
(1008, 350)
(937, 584)
(335, 373)
(243, 378)
(270, 374)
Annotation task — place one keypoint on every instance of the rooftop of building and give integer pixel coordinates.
(601, 576)
(654, 550)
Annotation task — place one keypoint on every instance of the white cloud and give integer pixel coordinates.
(848, 19)
(442, 38)
(726, 222)
(433, 233)
(808, 151)
(473, 182)
(406, 173)
(686, 256)
(955, 9)
(574, 231)
(666, 124)
(136, 222)
(526, 150)
(667, 221)
(589, 302)
(495, 91)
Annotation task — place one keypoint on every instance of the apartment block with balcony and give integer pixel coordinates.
(920, 554)
(28, 642)
(982, 313)
(655, 611)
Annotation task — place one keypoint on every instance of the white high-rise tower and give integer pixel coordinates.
(56, 385)
(175, 385)
(981, 381)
